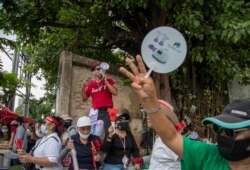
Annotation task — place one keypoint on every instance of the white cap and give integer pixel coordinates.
(83, 121)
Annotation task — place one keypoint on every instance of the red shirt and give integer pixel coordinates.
(100, 94)
(13, 128)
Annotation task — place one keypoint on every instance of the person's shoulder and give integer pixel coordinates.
(93, 137)
(110, 80)
(195, 143)
(129, 133)
(75, 136)
(54, 137)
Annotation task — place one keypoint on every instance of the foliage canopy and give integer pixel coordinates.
(217, 32)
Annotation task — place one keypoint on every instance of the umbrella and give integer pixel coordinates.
(6, 116)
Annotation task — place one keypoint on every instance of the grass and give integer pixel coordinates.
(16, 167)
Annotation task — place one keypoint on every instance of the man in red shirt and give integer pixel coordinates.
(101, 90)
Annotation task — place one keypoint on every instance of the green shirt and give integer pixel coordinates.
(201, 156)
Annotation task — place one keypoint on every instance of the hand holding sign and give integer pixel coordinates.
(163, 50)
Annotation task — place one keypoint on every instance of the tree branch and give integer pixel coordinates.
(60, 25)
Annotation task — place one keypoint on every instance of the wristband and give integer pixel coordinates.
(153, 110)
(179, 126)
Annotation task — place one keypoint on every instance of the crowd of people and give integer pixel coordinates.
(54, 144)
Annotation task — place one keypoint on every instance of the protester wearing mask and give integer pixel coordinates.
(21, 134)
(5, 132)
(162, 157)
(38, 131)
(4, 146)
(44, 154)
(13, 127)
(119, 145)
(67, 122)
(35, 135)
(232, 128)
(101, 90)
(84, 143)
(8, 154)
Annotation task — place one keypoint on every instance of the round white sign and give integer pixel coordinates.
(163, 49)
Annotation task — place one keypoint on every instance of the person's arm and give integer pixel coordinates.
(112, 88)
(84, 95)
(145, 89)
(64, 152)
(19, 132)
(107, 143)
(35, 160)
(19, 135)
(135, 150)
(12, 136)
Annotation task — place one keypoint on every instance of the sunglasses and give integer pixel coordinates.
(230, 133)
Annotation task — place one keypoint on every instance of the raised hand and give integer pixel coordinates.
(97, 157)
(144, 87)
(111, 129)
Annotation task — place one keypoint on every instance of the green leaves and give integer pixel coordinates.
(9, 81)
(217, 33)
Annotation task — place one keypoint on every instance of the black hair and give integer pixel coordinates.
(19, 119)
(9, 131)
(124, 114)
(57, 129)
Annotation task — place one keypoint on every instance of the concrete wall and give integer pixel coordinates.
(73, 69)
(237, 91)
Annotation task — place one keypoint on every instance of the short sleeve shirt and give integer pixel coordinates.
(20, 134)
(202, 156)
(49, 147)
(100, 94)
(163, 158)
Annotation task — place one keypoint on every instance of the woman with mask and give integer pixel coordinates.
(67, 122)
(35, 135)
(120, 145)
(5, 137)
(38, 133)
(44, 154)
(8, 132)
(87, 146)
(5, 132)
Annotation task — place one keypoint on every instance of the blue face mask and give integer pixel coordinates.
(44, 129)
(39, 133)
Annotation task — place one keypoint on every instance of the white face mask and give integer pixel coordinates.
(39, 133)
(83, 136)
(5, 130)
(43, 129)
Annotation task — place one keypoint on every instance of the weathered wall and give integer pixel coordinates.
(237, 91)
(73, 69)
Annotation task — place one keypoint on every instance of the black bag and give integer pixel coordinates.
(147, 139)
(29, 166)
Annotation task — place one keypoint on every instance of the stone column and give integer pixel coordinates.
(65, 76)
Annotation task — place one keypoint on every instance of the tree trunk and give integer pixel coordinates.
(163, 86)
